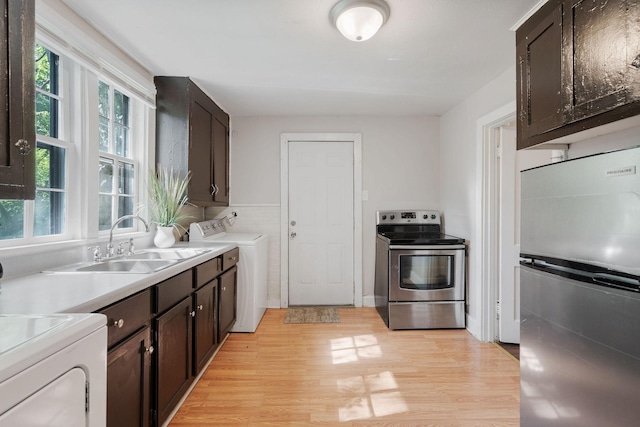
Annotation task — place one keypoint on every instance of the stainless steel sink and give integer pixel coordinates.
(178, 254)
(146, 261)
(128, 266)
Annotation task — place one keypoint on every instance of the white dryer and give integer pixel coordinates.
(53, 370)
(252, 269)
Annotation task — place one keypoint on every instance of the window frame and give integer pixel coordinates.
(78, 133)
(117, 160)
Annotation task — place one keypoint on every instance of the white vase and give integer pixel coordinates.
(164, 237)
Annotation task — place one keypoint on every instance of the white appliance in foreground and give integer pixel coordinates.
(53, 370)
(252, 269)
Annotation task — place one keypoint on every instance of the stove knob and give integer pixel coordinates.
(425, 216)
(384, 217)
(433, 216)
(393, 216)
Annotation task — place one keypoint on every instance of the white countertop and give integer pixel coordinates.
(45, 293)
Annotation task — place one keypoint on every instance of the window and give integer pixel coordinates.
(45, 216)
(117, 169)
(93, 128)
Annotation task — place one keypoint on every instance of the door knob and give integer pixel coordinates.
(293, 235)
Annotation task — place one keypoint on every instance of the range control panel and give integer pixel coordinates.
(408, 217)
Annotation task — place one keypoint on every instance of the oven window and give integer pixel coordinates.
(426, 272)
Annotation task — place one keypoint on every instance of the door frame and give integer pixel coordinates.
(487, 258)
(285, 139)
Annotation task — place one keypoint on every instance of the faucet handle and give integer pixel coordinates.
(120, 250)
(132, 246)
(97, 252)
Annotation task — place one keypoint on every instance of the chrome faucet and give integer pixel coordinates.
(118, 221)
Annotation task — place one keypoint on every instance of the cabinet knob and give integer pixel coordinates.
(149, 349)
(224, 288)
(193, 314)
(24, 146)
(200, 307)
(118, 323)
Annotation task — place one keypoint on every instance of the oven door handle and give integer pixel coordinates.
(427, 247)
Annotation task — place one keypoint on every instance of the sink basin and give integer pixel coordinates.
(128, 266)
(146, 261)
(118, 265)
(178, 254)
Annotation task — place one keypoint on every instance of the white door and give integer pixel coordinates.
(320, 222)
(509, 239)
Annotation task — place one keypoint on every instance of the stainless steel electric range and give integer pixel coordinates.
(420, 272)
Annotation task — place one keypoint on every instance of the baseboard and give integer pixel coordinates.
(273, 303)
(369, 301)
(473, 326)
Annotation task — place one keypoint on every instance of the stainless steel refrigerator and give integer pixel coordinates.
(580, 292)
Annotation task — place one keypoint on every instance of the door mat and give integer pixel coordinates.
(312, 315)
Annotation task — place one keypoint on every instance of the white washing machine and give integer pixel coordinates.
(252, 269)
(53, 370)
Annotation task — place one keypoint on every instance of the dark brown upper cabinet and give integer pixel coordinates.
(192, 134)
(578, 67)
(601, 41)
(539, 73)
(17, 94)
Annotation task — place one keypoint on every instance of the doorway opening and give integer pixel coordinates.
(500, 225)
(495, 159)
(288, 234)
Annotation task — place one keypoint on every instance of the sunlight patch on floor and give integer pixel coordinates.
(379, 397)
(352, 349)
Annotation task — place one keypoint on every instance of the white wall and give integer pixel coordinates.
(400, 169)
(458, 164)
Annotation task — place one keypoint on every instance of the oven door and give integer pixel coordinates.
(426, 273)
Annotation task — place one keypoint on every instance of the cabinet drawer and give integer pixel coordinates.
(230, 258)
(173, 290)
(127, 316)
(206, 271)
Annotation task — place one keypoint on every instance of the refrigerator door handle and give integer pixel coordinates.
(618, 282)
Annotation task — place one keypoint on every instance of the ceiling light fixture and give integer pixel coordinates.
(359, 20)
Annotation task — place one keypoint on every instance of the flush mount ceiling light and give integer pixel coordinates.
(359, 20)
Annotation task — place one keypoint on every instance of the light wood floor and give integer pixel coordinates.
(356, 372)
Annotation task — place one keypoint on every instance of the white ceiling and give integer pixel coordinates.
(284, 57)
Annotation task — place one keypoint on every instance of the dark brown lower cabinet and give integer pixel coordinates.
(152, 363)
(227, 306)
(173, 357)
(128, 381)
(205, 301)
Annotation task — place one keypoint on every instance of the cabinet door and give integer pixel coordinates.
(201, 124)
(539, 75)
(128, 376)
(206, 324)
(228, 302)
(221, 162)
(17, 94)
(595, 47)
(173, 357)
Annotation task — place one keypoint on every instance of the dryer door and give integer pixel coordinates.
(61, 403)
